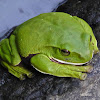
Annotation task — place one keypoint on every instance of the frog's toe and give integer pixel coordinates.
(81, 68)
(17, 74)
(64, 71)
(22, 77)
(18, 71)
(30, 75)
(23, 71)
(89, 68)
(83, 76)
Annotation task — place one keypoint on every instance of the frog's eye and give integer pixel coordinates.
(90, 38)
(65, 52)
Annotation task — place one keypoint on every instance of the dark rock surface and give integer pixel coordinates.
(46, 87)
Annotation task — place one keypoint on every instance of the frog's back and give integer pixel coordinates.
(48, 29)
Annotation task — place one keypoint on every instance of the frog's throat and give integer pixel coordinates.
(64, 62)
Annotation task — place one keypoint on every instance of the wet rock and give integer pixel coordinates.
(47, 87)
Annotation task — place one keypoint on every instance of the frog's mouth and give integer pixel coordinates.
(64, 62)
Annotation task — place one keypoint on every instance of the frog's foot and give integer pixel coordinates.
(17, 71)
(76, 67)
(42, 63)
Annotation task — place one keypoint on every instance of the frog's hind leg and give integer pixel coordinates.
(42, 63)
(10, 58)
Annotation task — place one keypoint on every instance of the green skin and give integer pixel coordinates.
(53, 37)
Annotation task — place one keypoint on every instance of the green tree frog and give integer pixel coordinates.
(61, 43)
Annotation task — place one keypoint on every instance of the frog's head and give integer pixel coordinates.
(76, 49)
(72, 40)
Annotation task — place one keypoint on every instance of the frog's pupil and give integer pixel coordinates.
(65, 52)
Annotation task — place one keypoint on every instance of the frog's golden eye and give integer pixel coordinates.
(90, 38)
(65, 52)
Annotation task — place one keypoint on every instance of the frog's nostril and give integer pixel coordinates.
(66, 58)
(90, 38)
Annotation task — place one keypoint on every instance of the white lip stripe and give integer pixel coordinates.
(61, 61)
(69, 62)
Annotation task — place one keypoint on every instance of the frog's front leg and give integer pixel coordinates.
(42, 63)
(10, 58)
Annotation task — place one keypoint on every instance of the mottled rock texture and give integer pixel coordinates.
(46, 87)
